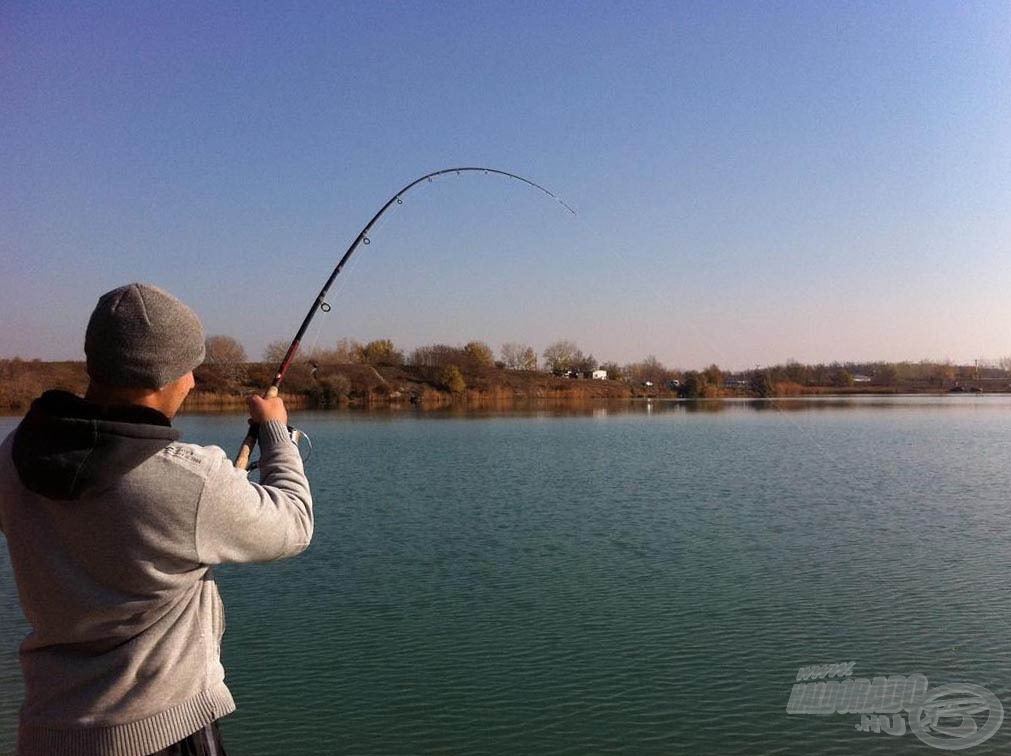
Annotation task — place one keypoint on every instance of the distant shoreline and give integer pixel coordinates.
(224, 388)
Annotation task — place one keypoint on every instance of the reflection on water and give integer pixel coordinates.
(602, 408)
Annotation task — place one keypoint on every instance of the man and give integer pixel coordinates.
(112, 525)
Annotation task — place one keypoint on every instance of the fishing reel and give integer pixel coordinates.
(297, 437)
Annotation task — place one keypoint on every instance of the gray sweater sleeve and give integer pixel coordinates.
(240, 521)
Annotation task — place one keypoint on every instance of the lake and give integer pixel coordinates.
(623, 578)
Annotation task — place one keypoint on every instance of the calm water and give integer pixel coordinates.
(616, 581)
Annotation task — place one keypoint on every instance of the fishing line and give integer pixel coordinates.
(341, 285)
(774, 402)
(311, 353)
(322, 305)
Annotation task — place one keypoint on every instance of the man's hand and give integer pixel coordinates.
(263, 410)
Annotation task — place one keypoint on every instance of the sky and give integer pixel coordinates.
(754, 181)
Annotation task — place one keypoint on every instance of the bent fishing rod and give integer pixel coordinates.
(320, 303)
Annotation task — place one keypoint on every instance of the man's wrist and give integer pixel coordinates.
(274, 432)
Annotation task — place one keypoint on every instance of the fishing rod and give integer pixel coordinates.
(320, 303)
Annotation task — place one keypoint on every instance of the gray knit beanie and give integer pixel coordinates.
(140, 336)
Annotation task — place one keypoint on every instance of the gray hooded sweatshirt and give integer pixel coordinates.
(112, 526)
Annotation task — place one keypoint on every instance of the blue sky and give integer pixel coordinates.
(754, 181)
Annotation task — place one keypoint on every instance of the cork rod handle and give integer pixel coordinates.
(246, 451)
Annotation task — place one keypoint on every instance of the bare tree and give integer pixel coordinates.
(346, 352)
(223, 363)
(224, 350)
(275, 351)
(584, 364)
(650, 369)
(561, 355)
(437, 355)
(519, 356)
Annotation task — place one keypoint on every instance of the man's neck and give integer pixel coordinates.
(167, 399)
(124, 397)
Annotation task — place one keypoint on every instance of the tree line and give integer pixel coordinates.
(561, 357)
(351, 368)
(564, 357)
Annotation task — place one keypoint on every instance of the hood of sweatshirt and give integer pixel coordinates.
(66, 446)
